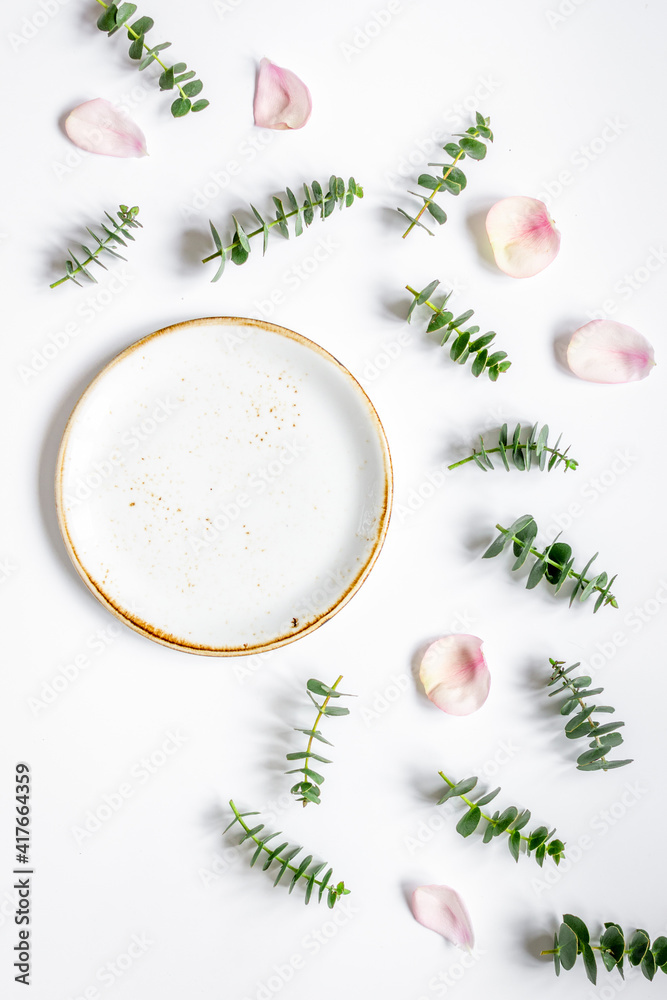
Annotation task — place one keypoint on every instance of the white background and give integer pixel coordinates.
(159, 867)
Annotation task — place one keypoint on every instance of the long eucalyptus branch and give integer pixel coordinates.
(115, 17)
(463, 346)
(127, 219)
(555, 564)
(573, 938)
(284, 854)
(308, 789)
(453, 179)
(511, 821)
(582, 725)
(521, 453)
(239, 248)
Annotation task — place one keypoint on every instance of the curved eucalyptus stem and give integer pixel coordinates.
(555, 564)
(283, 855)
(511, 821)
(453, 179)
(466, 343)
(115, 17)
(536, 448)
(582, 725)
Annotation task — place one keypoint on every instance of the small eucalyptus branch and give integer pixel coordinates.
(573, 938)
(535, 450)
(115, 17)
(603, 738)
(283, 855)
(115, 237)
(555, 564)
(466, 343)
(239, 248)
(308, 789)
(511, 821)
(453, 179)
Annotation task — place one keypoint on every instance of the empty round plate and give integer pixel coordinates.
(224, 486)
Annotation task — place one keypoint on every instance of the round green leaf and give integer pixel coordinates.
(180, 107)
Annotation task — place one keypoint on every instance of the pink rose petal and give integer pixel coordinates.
(442, 910)
(524, 239)
(605, 351)
(455, 675)
(98, 127)
(282, 100)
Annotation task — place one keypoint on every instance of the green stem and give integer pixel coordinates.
(436, 309)
(490, 451)
(93, 256)
(593, 947)
(471, 805)
(256, 232)
(269, 225)
(269, 850)
(568, 683)
(433, 194)
(321, 712)
(551, 562)
(157, 59)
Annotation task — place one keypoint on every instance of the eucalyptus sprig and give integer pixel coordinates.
(555, 563)
(127, 219)
(115, 17)
(466, 343)
(573, 938)
(535, 450)
(582, 725)
(453, 179)
(308, 789)
(510, 821)
(283, 855)
(239, 248)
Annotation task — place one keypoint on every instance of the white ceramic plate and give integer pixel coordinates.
(224, 486)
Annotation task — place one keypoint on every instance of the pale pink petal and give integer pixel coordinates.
(605, 351)
(442, 910)
(455, 675)
(282, 100)
(98, 127)
(524, 239)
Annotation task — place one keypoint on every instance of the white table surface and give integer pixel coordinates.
(575, 91)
